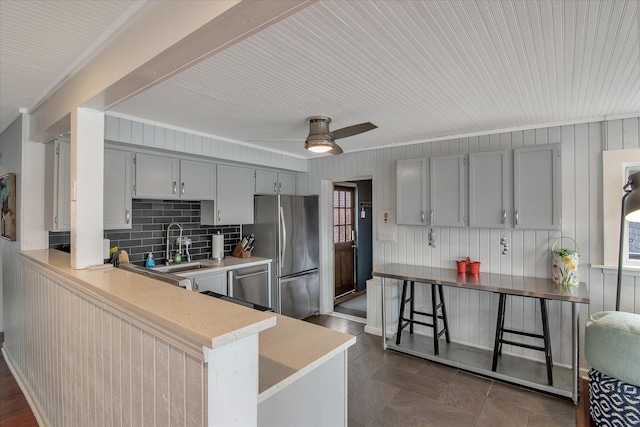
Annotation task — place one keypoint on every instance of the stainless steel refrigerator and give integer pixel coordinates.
(286, 230)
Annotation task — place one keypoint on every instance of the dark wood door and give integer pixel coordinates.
(343, 239)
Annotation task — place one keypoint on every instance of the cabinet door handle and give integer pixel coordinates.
(196, 285)
(504, 216)
(422, 216)
(219, 215)
(127, 215)
(183, 188)
(280, 188)
(175, 187)
(275, 187)
(517, 218)
(433, 218)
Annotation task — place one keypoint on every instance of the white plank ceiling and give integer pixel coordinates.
(42, 43)
(416, 69)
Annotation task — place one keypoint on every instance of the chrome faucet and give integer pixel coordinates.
(167, 256)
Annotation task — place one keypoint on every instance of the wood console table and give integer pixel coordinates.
(512, 368)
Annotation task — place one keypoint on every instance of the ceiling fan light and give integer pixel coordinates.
(318, 146)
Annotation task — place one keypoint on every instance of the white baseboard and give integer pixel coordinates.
(378, 331)
(347, 316)
(37, 410)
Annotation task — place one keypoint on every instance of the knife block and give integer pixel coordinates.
(239, 253)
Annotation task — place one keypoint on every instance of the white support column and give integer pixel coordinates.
(87, 176)
(232, 383)
(34, 235)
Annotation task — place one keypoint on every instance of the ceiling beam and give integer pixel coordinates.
(167, 38)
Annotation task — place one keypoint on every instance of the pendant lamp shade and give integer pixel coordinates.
(631, 210)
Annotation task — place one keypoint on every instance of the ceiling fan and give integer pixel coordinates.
(321, 140)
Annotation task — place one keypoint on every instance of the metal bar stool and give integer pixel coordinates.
(500, 330)
(403, 321)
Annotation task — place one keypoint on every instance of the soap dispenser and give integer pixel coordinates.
(150, 261)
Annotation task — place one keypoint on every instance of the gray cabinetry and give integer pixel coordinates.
(234, 197)
(287, 183)
(157, 177)
(197, 180)
(216, 282)
(412, 191)
(118, 180)
(58, 186)
(489, 201)
(447, 190)
(161, 177)
(537, 183)
(117, 187)
(272, 182)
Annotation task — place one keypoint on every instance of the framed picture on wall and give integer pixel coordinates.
(8, 206)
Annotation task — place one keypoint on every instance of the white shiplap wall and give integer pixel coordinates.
(86, 363)
(163, 138)
(472, 313)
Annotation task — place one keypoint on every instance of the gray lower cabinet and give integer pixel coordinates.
(216, 282)
(448, 190)
(489, 201)
(537, 185)
(272, 182)
(118, 180)
(411, 192)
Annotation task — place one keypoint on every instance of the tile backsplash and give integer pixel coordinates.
(149, 221)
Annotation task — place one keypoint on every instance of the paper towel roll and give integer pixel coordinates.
(217, 247)
(106, 246)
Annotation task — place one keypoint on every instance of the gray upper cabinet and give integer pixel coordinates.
(287, 183)
(447, 190)
(58, 186)
(161, 177)
(537, 187)
(197, 180)
(489, 202)
(118, 184)
(272, 182)
(118, 180)
(234, 197)
(412, 191)
(157, 177)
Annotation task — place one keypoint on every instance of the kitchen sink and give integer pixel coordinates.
(168, 278)
(177, 268)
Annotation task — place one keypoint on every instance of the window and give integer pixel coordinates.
(632, 253)
(343, 199)
(617, 166)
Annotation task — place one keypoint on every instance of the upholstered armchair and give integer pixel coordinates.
(612, 348)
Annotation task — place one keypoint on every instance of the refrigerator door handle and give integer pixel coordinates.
(282, 237)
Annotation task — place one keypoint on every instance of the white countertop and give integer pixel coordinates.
(288, 348)
(292, 349)
(207, 321)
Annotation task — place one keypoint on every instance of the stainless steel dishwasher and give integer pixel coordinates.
(251, 284)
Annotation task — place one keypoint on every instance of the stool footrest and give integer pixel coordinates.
(526, 334)
(520, 344)
(409, 321)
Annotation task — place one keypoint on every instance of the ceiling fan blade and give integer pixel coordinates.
(353, 130)
(336, 149)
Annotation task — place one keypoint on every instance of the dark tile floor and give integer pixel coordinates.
(391, 389)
